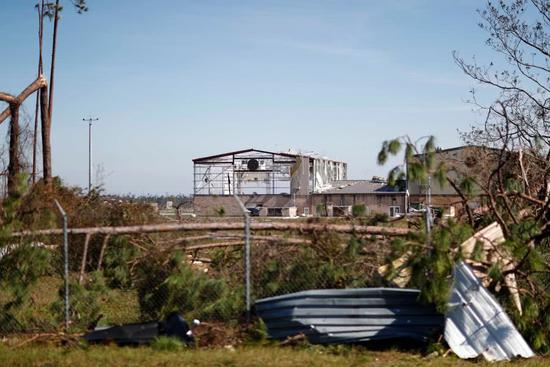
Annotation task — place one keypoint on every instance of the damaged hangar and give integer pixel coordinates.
(284, 184)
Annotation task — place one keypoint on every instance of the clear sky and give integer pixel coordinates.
(172, 80)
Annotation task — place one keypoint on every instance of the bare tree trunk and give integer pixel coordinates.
(54, 48)
(37, 107)
(48, 104)
(35, 137)
(14, 167)
(46, 147)
(225, 226)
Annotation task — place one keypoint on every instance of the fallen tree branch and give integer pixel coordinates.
(222, 226)
(259, 239)
(40, 82)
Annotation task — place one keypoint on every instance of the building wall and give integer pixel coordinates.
(209, 205)
(299, 181)
(325, 172)
(446, 202)
(375, 203)
(459, 162)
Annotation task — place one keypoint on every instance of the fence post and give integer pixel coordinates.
(66, 263)
(247, 285)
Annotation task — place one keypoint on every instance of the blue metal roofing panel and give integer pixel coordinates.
(350, 315)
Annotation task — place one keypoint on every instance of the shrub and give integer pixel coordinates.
(116, 268)
(20, 271)
(323, 264)
(321, 210)
(377, 218)
(170, 285)
(358, 210)
(22, 263)
(84, 311)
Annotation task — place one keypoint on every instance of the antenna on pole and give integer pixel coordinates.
(89, 120)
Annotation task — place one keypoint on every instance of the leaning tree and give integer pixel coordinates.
(44, 99)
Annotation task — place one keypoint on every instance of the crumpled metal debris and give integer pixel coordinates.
(475, 323)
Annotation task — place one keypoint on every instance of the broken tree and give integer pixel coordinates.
(12, 111)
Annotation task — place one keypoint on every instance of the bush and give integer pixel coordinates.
(377, 218)
(84, 311)
(321, 210)
(170, 285)
(324, 264)
(116, 267)
(358, 210)
(20, 270)
(22, 263)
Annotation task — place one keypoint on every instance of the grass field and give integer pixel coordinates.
(43, 355)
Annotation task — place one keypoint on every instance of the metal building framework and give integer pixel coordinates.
(244, 172)
(253, 171)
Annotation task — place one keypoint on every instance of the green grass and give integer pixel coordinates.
(43, 355)
(117, 306)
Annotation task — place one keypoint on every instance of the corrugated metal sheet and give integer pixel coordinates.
(476, 324)
(350, 315)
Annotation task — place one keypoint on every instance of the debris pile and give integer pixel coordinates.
(144, 333)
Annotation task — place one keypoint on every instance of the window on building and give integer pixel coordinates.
(394, 211)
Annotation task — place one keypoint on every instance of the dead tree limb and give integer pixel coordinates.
(14, 166)
(214, 245)
(8, 98)
(258, 239)
(84, 258)
(464, 201)
(102, 252)
(273, 239)
(33, 87)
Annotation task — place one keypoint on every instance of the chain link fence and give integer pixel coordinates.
(138, 278)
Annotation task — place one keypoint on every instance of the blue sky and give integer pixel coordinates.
(172, 80)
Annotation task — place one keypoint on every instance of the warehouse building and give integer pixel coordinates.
(285, 184)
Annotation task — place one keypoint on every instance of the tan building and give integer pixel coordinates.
(285, 184)
(460, 162)
(375, 195)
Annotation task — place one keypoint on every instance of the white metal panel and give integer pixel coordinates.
(476, 324)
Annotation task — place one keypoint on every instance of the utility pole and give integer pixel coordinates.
(89, 120)
(429, 217)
